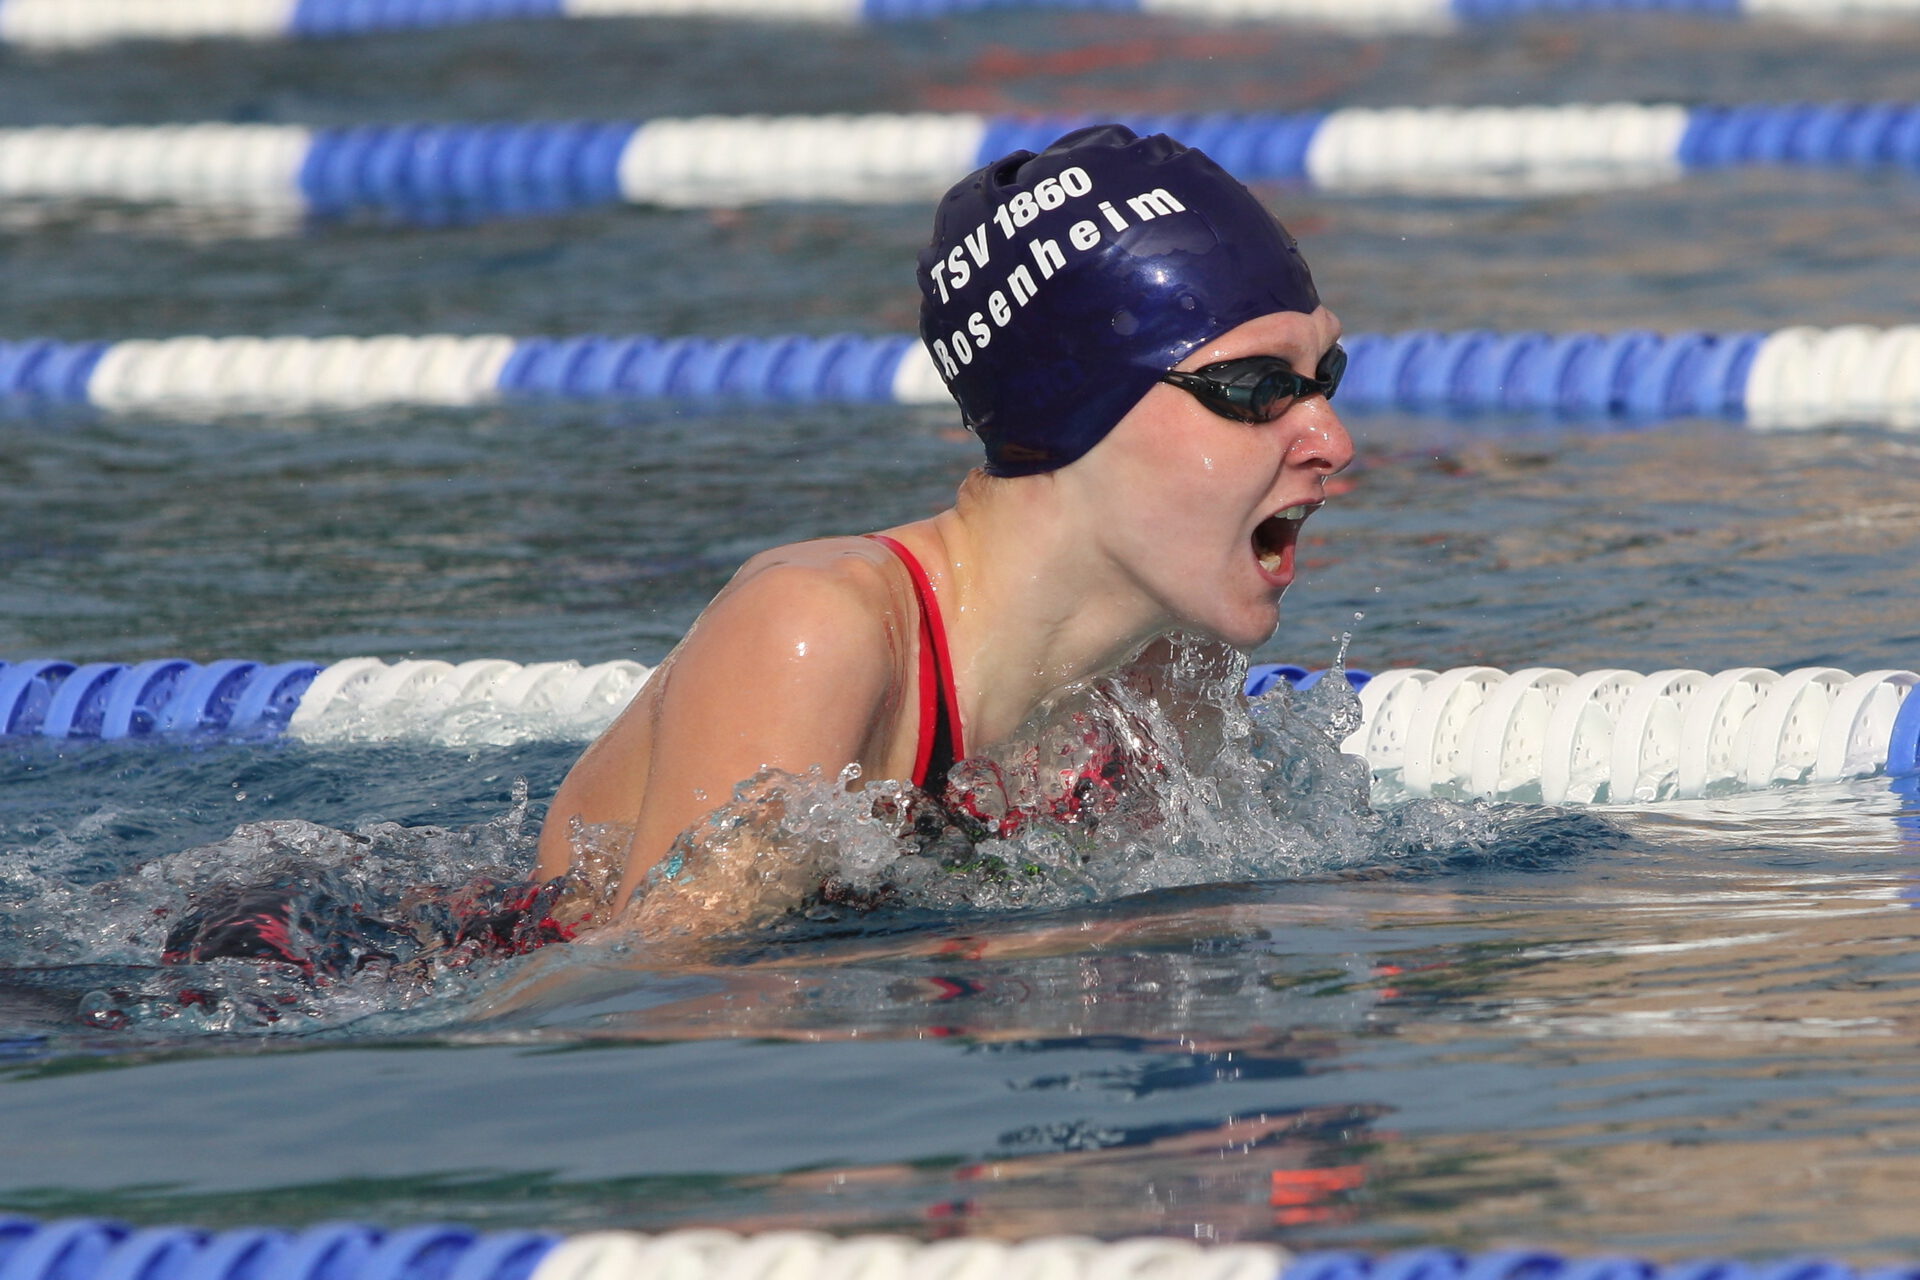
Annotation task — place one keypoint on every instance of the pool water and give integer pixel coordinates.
(1683, 1028)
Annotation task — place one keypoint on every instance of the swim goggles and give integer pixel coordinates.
(1259, 388)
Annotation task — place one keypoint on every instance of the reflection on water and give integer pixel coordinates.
(1704, 1041)
(1700, 1038)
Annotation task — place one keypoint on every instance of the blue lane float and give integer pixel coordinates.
(1791, 378)
(98, 1249)
(1539, 733)
(458, 172)
(71, 23)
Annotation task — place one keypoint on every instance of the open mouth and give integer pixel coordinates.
(1273, 538)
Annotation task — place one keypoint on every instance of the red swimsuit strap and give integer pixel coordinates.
(937, 690)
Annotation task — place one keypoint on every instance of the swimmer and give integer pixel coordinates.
(1139, 346)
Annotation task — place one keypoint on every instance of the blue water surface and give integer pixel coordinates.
(1682, 1028)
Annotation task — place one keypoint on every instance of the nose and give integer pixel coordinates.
(1322, 443)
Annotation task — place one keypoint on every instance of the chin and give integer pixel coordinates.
(1247, 631)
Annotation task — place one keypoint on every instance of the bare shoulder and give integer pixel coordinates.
(828, 605)
(850, 571)
(794, 664)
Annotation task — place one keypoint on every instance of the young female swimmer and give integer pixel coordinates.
(1139, 345)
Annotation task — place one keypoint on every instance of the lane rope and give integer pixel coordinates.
(428, 173)
(1540, 733)
(101, 1249)
(1795, 378)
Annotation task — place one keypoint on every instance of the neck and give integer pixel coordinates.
(1029, 605)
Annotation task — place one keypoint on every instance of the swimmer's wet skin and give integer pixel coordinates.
(1139, 346)
(1255, 390)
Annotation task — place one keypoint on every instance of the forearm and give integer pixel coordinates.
(718, 881)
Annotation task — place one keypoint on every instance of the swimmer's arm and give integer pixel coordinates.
(788, 669)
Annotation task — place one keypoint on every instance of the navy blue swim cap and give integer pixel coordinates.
(1059, 287)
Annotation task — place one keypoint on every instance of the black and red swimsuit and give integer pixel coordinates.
(942, 742)
(1086, 793)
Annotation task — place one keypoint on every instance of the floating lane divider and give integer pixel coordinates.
(1605, 736)
(1792, 378)
(95, 1249)
(57, 23)
(440, 172)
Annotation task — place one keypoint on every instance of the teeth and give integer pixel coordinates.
(1295, 513)
(1270, 561)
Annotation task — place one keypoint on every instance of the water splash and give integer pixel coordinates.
(1149, 779)
(371, 921)
(1126, 784)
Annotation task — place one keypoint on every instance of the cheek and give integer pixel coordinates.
(1192, 462)
(1179, 478)
(1191, 501)
(1175, 489)
(1212, 474)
